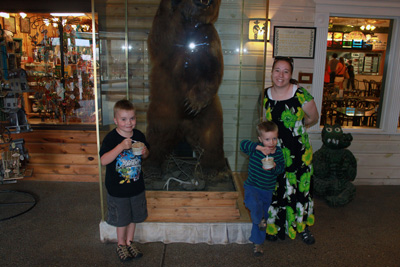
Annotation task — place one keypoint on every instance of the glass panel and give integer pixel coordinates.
(251, 81)
(353, 98)
(124, 28)
(124, 64)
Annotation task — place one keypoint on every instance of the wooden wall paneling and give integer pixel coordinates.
(59, 136)
(63, 178)
(62, 155)
(71, 169)
(62, 148)
(378, 160)
(52, 158)
(377, 155)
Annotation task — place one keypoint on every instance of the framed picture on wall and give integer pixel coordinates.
(305, 77)
(9, 24)
(25, 25)
(296, 42)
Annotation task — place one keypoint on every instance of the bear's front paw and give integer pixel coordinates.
(193, 109)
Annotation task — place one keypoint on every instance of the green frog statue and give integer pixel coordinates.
(335, 167)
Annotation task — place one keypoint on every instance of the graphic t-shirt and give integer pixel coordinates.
(124, 177)
(128, 166)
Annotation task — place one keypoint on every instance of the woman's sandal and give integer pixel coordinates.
(307, 237)
(271, 238)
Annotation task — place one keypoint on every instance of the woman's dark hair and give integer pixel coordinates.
(291, 63)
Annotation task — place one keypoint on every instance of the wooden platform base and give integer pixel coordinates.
(190, 206)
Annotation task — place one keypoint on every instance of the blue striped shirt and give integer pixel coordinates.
(257, 176)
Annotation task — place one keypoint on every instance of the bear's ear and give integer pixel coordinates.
(175, 4)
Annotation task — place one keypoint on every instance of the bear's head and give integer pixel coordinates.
(197, 11)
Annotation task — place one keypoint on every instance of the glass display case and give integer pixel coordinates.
(56, 54)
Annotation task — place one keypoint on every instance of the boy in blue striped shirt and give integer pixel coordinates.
(260, 183)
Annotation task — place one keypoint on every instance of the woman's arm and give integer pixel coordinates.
(311, 113)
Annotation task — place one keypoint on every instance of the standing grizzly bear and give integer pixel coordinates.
(186, 72)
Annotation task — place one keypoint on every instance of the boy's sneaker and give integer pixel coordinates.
(134, 251)
(262, 225)
(123, 253)
(258, 251)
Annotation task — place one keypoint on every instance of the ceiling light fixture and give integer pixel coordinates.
(368, 27)
(4, 15)
(67, 14)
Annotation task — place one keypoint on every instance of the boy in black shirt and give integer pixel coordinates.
(126, 199)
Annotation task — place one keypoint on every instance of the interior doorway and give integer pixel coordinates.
(355, 71)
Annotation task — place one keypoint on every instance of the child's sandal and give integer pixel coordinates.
(257, 252)
(262, 225)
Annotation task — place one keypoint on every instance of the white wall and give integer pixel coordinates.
(376, 150)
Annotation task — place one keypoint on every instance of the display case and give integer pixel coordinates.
(56, 54)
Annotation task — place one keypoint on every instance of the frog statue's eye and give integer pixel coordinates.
(338, 130)
(328, 129)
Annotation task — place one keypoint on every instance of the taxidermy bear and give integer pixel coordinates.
(335, 167)
(186, 72)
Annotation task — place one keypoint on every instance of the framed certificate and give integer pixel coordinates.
(305, 77)
(25, 25)
(295, 42)
(9, 24)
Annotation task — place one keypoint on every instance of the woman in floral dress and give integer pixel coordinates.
(293, 109)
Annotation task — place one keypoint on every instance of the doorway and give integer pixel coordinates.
(355, 71)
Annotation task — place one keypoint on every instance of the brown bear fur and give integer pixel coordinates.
(184, 82)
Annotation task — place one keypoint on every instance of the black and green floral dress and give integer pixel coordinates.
(292, 205)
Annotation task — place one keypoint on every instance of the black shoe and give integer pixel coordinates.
(271, 238)
(307, 237)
